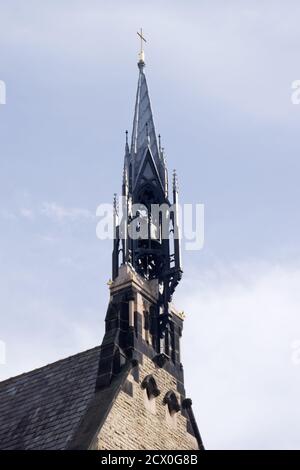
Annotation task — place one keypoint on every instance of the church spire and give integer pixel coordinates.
(143, 328)
(143, 131)
(149, 226)
(145, 183)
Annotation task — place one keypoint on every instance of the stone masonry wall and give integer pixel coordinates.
(135, 422)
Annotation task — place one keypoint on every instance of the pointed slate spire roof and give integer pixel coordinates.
(143, 133)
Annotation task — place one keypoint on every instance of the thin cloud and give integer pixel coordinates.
(7, 214)
(52, 210)
(241, 328)
(27, 213)
(60, 213)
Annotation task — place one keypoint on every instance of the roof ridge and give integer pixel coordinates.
(37, 369)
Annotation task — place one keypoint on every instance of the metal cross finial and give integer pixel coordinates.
(140, 34)
(142, 39)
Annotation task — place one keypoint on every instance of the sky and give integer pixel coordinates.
(220, 77)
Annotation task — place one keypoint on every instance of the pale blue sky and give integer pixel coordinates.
(220, 76)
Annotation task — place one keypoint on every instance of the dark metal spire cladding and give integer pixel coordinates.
(126, 143)
(143, 132)
(145, 183)
(147, 238)
(146, 246)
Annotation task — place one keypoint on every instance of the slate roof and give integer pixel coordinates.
(42, 409)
